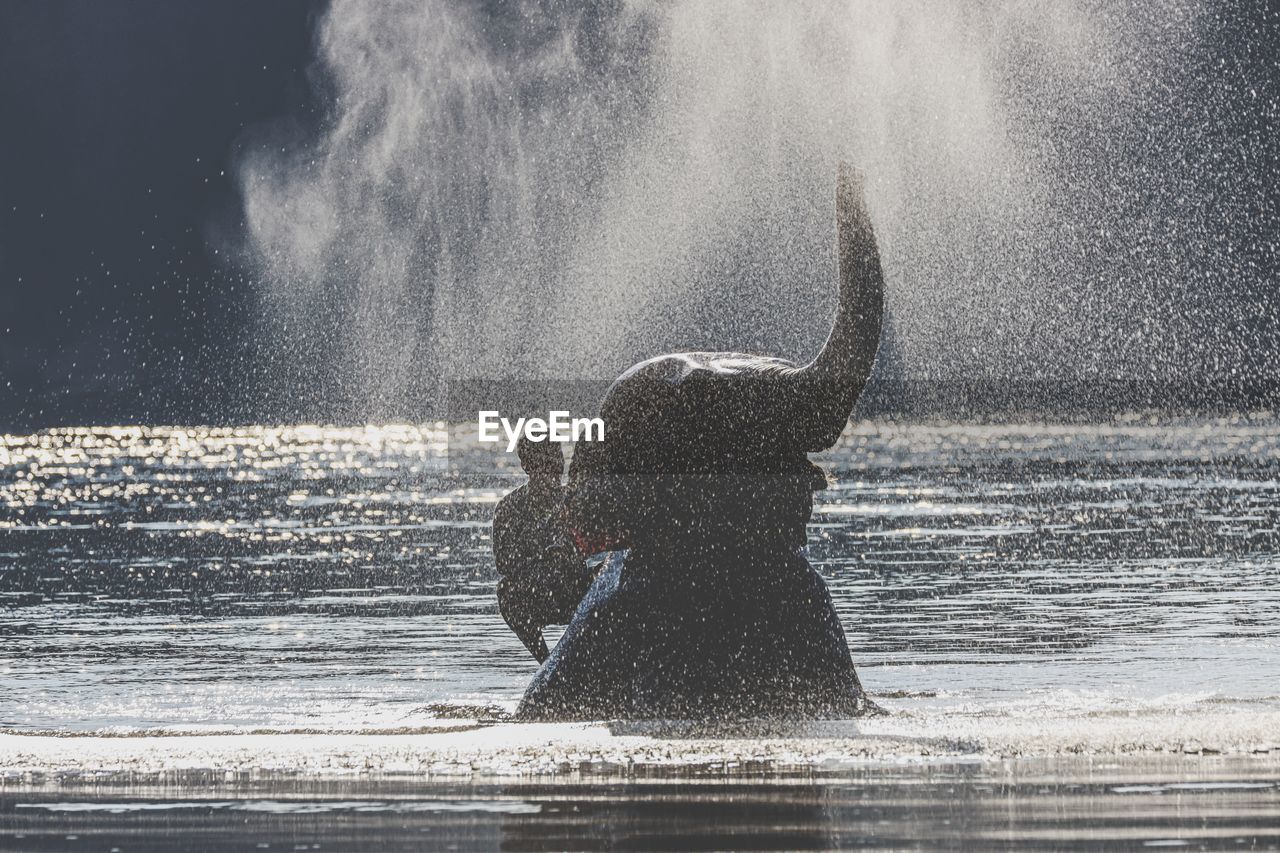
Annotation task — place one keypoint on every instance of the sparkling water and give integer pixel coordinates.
(1050, 583)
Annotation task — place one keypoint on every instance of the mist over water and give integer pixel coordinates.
(551, 191)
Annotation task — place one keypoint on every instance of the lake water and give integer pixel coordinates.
(309, 600)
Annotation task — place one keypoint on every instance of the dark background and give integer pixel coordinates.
(121, 122)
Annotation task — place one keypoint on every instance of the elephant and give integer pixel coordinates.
(706, 607)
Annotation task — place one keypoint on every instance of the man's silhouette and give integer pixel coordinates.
(542, 575)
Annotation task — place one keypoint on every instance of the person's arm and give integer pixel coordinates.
(517, 590)
(512, 600)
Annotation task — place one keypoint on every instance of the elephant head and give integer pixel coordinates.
(702, 416)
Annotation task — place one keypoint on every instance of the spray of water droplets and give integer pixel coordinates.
(548, 190)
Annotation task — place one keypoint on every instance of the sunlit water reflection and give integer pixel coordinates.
(341, 579)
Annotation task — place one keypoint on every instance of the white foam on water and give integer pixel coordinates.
(470, 747)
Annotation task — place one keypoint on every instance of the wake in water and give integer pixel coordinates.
(1055, 727)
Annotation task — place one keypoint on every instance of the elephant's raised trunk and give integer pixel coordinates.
(827, 388)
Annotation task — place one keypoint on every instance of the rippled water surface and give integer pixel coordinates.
(943, 807)
(341, 579)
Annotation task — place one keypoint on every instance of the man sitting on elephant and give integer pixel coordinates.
(541, 575)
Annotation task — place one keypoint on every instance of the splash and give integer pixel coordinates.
(543, 190)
